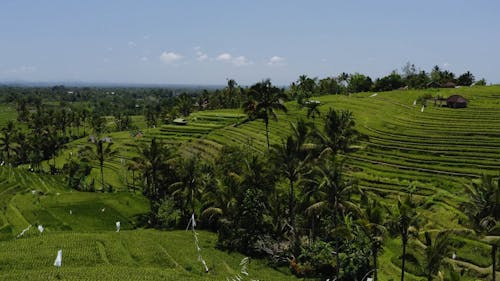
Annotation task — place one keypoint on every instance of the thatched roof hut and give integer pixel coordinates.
(456, 101)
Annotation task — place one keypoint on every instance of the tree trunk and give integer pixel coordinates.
(291, 207)
(101, 165)
(403, 257)
(375, 275)
(337, 245)
(102, 175)
(267, 134)
(494, 261)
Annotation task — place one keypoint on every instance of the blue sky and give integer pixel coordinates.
(206, 42)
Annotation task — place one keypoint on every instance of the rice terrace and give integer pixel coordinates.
(201, 141)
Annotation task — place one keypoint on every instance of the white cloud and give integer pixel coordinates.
(276, 60)
(131, 44)
(237, 61)
(170, 57)
(241, 61)
(144, 59)
(200, 56)
(224, 57)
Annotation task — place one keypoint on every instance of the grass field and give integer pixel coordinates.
(124, 255)
(437, 151)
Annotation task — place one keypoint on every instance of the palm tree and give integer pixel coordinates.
(372, 223)
(185, 104)
(101, 151)
(135, 165)
(483, 210)
(339, 133)
(153, 159)
(405, 223)
(189, 188)
(230, 91)
(435, 252)
(291, 159)
(265, 100)
(7, 140)
(336, 193)
(313, 109)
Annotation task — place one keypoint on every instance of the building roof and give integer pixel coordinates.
(456, 99)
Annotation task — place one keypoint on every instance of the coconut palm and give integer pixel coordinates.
(405, 223)
(153, 159)
(7, 141)
(291, 160)
(483, 210)
(339, 133)
(265, 99)
(435, 252)
(313, 109)
(185, 104)
(372, 223)
(189, 188)
(135, 165)
(101, 150)
(336, 197)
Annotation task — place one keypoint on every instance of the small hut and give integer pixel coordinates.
(180, 121)
(456, 101)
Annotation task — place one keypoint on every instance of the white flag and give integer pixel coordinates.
(423, 107)
(40, 228)
(117, 226)
(58, 260)
(193, 221)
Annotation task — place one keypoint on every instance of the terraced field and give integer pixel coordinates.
(435, 153)
(125, 255)
(82, 225)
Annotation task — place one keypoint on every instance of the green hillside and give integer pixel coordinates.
(82, 225)
(433, 153)
(124, 255)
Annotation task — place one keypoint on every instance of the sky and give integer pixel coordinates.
(206, 42)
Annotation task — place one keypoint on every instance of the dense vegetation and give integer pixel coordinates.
(340, 186)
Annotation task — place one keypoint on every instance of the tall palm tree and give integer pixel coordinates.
(7, 141)
(265, 100)
(372, 223)
(189, 188)
(135, 165)
(483, 210)
(153, 159)
(405, 222)
(185, 104)
(336, 193)
(101, 151)
(232, 98)
(291, 159)
(435, 252)
(313, 109)
(339, 132)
